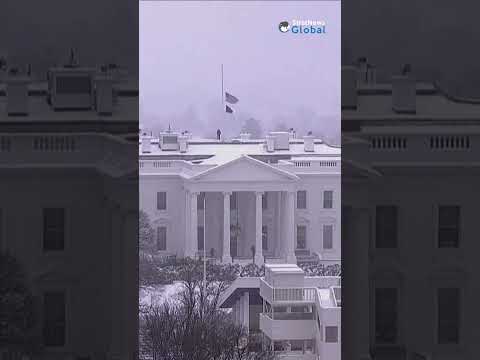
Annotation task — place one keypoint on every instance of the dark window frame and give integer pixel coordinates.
(304, 227)
(328, 335)
(448, 325)
(302, 199)
(324, 227)
(200, 238)
(54, 229)
(448, 234)
(54, 330)
(386, 226)
(327, 203)
(161, 201)
(383, 335)
(160, 246)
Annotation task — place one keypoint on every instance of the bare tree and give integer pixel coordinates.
(193, 327)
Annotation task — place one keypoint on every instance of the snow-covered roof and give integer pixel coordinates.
(125, 109)
(374, 102)
(219, 152)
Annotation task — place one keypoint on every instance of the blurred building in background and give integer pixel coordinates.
(410, 155)
(69, 207)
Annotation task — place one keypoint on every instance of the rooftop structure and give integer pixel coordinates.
(297, 316)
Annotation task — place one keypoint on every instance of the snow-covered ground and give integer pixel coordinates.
(156, 295)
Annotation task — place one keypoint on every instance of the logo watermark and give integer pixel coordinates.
(303, 26)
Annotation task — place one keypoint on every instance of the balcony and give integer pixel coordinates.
(292, 329)
(287, 295)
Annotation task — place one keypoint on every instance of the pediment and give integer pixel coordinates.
(245, 169)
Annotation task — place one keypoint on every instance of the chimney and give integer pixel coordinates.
(104, 95)
(270, 139)
(371, 74)
(309, 143)
(404, 93)
(281, 140)
(362, 72)
(183, 143)
(146, 144)
(17, 95)
(349, 87)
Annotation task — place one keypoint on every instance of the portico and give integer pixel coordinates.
(243, 209)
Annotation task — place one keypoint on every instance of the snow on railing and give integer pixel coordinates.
(292, 294)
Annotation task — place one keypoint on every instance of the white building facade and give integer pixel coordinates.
(269, 200)
(296, 316)
(410, 215)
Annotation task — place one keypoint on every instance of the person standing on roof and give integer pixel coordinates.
(219, 134)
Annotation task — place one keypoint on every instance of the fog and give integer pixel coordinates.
(281, 80)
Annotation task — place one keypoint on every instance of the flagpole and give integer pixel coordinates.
(223, 93)
(204, 245)
(223, 96)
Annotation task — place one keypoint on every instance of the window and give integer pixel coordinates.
(161, 200)
(53, 229)
(301, 236)
(201, 201)
(265, 237)
(386, 308)
(448, 315)
(54, 319)
(162, 238)
(386, 227)
(200, 237)
(301, 199)
(448, 226)
(264, 201)
(331, 334)
(233, 201)
(328, 236)
(328, 199)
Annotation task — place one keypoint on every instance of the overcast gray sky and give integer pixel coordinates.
(279, 78)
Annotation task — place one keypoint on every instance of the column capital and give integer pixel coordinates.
(259, 193)
(227, 193)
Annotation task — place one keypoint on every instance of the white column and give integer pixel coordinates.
(290, 227)
(246, 310)
(258, 229)
(226, 257)
(189, 250)
(193, 222)
(238, 319)
(241, 312)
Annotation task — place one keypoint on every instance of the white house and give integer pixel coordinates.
(299, 317)
(275, 199)
(410, 201)
(69, 209)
